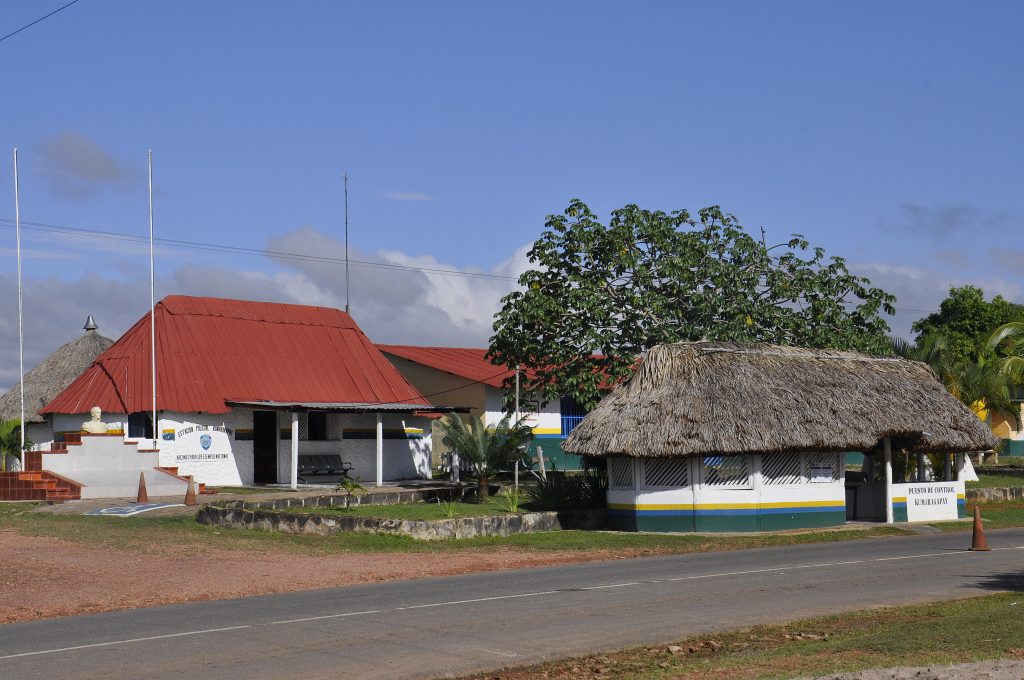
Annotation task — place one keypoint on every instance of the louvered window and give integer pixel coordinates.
(731, 471)
(666, 472)
(620, 473)
(782, 469)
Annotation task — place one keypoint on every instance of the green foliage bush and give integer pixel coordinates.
(568, 491)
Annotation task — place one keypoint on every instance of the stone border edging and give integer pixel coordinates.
(235, 515)
(995, 494)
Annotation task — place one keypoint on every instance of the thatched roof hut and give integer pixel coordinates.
(54, 374)
(704, 398)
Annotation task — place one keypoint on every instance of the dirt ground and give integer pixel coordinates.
(47, 577)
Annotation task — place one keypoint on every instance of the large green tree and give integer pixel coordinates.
(599, 295)
(965, 321)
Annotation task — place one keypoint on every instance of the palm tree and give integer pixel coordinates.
(929, 349)
(10, 441)
(487, 448)
(984, 385)
(1013, 365)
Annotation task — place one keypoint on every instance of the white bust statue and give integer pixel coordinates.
(94, 426)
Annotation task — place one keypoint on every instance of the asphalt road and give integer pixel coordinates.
(461, 624)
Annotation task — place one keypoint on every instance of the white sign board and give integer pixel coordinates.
(203, 451)
(821, 474)
(930, 501)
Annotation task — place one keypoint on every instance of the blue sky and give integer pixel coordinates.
(888, 133)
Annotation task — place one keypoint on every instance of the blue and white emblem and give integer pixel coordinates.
(205, 441)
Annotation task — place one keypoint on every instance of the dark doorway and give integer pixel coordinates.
(264, 447)
(140, 425)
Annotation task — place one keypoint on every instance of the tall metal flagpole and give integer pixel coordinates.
(152, 302)
(21, 324)
(346, 242)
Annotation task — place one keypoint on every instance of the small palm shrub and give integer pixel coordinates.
(490, 448)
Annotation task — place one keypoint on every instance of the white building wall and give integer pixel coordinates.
(404, 458)
(72, 422)
(225, 460)
(545, 420)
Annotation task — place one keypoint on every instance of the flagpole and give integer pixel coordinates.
(152, 303)
(21, 323)
(346, 242)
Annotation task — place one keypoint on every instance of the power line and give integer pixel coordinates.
(224, 248)
(218, 247)
(38, 20)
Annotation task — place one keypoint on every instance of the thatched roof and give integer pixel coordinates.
(702, 398)
(53, 375)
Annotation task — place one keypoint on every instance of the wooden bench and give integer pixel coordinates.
(322, 465)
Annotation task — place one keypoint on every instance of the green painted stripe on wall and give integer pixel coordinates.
(624, 520)
(726, 522)
(801, 520)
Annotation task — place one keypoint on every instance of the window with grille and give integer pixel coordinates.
(317, 426)
(727, 471)
(666, 472)
(334, 432)
(782, 469)
(572, 414)
(620, 472)
(824, 468)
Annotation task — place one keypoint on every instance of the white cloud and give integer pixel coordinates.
(919, 291)
(407, 196)
(394, 305)
(78, 167)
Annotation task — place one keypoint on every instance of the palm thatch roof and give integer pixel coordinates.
(53, 375)
(704, 398)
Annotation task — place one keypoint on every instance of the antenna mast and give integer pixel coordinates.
(346, 242)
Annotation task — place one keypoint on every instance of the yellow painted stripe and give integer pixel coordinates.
(899, 499)
(547, 430)
(723, 506)
(960, 495)
(803, 504)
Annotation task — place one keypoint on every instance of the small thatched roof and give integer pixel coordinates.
(706, 398)
(53, 375)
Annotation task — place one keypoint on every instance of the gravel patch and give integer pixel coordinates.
(985, 670)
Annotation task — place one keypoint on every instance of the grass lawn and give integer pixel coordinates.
(961, 631)
(417, 511)
(993, 516)
(144, 534)
(986, 481)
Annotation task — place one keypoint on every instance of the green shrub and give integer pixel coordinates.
(562, 491)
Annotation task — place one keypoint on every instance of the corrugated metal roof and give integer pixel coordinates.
(210, 350)
(465, 362)
(348, 408)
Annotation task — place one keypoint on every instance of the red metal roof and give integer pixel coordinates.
(465, 362)
(212, 349)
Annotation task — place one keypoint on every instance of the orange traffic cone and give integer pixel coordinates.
(143, 496)
(190, 495)
(978, 542)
